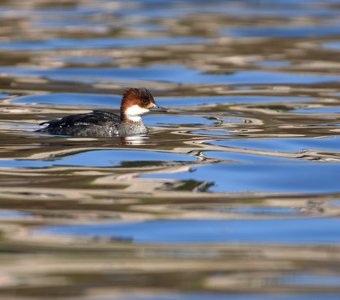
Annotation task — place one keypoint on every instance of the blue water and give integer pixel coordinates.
(273, 64)
(275, 211)
(185, 120)
(269, 231)
(331, 143)
(310, 280)
(175, 74)
(247, 156)
(335, 203)
(285, 32)
(95, 43)
(322, 110)
(12, 214)
(332, 45)
(212, 133)
(71, 99)
(101, 158)
(304, 177)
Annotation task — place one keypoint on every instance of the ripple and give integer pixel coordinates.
(310, 280)
(173, 74)
(102, 158)
(227, 99)
(284, 32)
(335, 203)
(260, 210)
(262, 187)
(280, 231)
(73, 99)
(319, 110)
(167, 120)
(13, 214)
(247, 157)
(332, 45)
(304, 177)
(3, 96)
(283, 144)
(85, 60)
(213, 133)
(95, 43)
(273, 64)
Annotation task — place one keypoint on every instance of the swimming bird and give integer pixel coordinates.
(99, 123)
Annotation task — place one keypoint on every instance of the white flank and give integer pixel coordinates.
(133, 112)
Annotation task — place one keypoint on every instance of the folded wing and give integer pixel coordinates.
(98, 123)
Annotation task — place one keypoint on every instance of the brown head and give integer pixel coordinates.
(137, 102)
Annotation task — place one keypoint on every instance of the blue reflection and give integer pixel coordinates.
(320, 110)
(73, 99)
(310, 280)
(304, 177)
(284, 32)
(332, 45)
(173, 73)
(96, 43)
(276, 231)
(283, 144)
(100, 158)
(13, 214)
(261, 210)
(167, 120)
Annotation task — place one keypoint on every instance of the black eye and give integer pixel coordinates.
(145, 101)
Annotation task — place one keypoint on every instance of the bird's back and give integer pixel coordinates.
(97, 123)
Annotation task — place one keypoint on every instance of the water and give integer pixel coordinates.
(277, 231)
(235, 192)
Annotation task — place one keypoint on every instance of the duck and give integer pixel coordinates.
(99, 123)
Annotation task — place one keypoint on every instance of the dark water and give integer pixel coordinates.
(234, 194)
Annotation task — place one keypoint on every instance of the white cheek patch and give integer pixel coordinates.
(133, 112)
(136, 110)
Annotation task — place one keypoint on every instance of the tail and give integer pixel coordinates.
(43, 129)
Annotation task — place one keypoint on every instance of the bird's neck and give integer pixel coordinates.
(127, 118)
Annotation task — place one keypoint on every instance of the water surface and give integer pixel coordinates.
(234, 193)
